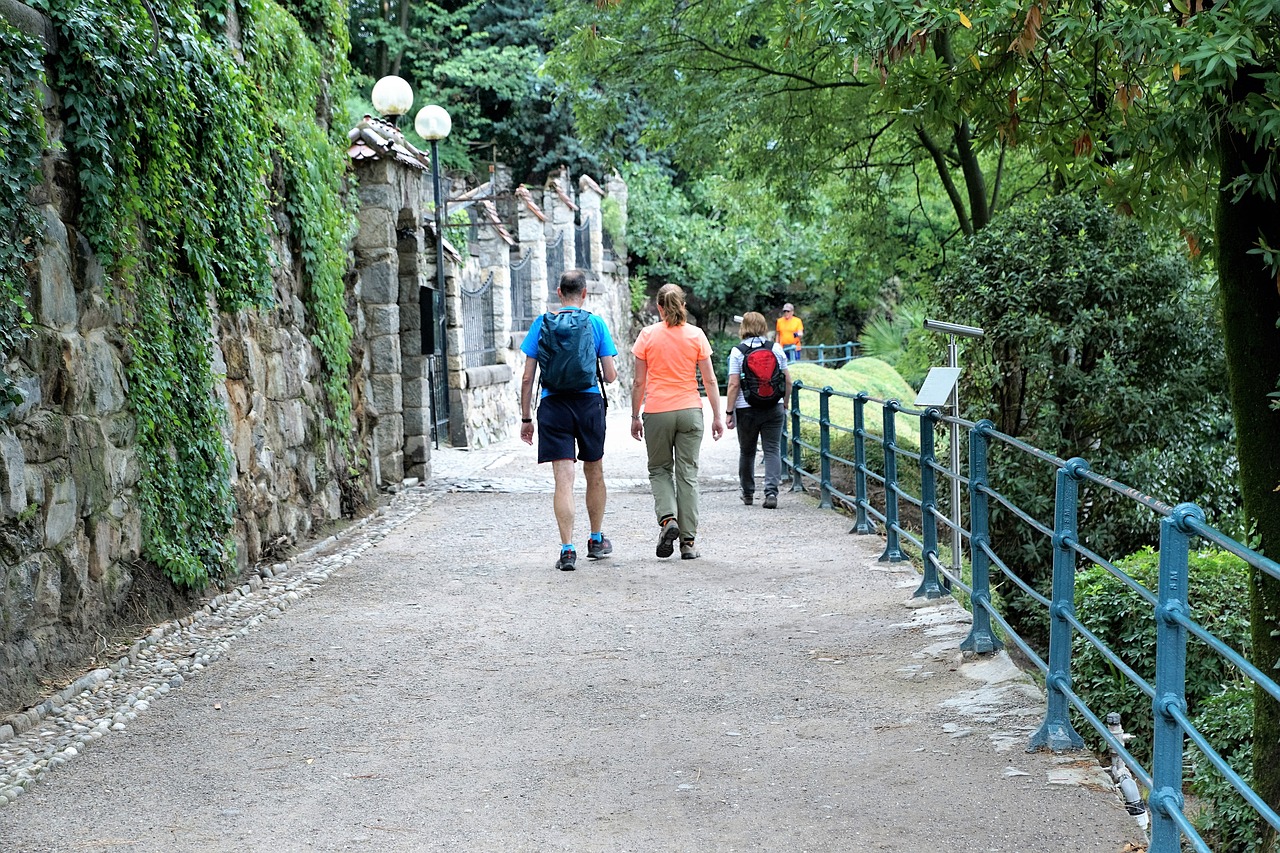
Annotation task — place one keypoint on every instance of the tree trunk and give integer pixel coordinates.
(1250, 311)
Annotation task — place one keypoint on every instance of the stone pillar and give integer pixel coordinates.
(378, 292)
(589, 198)
(561, 211)
(532, 237)
(493, 252)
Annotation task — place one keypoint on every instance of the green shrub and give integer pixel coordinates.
(1223, 818)
(1217, 589)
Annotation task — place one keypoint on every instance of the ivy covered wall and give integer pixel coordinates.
(175, 343)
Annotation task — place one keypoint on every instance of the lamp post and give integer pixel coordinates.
(392, 97)
(433, 124)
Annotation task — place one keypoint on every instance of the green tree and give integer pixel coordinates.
(1172, 111)
(1091, 329)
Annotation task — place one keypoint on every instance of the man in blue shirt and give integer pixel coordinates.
(571, 427)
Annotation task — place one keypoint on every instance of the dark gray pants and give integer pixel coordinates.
(764, 425)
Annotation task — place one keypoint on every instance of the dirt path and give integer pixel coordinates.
(447, 690)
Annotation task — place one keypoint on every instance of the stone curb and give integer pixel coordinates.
(52, 732)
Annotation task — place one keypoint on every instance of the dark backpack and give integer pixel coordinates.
(567, 351)
(763, 382)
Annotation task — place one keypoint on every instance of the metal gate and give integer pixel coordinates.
(555, 269)
(522, 293)
(582, 245)
(478, 347)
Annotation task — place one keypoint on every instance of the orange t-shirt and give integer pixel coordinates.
(671, 355)
(787, 329)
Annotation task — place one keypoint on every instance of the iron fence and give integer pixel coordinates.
(478, 347)
(522, 293)
(1168, 605)
(555, 268)
(830, 355)
(582, 245)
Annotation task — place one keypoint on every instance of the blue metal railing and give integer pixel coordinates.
(1179, 526)
(830, 355)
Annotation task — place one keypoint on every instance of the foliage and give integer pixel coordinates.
(21, 142)
(1223, 818)
(287, 66)
(888, 337)
(482, 61)
(1091, 335)
(1217, 582)
(163, 126)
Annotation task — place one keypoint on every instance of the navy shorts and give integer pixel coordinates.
(568, 419)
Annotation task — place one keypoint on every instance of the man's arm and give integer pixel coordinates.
(526, 399)
(609, 368)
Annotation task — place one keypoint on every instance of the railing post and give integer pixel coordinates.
(929, 586)
(861, 525)
(824, 446)
(892, 548)
(1171, 676)
(1056, 731)
(822, 361)
(797, 482)
(981, 638)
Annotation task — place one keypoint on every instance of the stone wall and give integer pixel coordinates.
(71, 535)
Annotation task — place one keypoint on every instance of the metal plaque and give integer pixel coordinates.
(936, 390)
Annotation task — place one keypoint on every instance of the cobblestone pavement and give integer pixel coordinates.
(428, 682)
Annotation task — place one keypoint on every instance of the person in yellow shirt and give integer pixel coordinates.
(790, 330)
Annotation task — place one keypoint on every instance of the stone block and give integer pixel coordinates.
(55, 295)
(379, 284)
(105, 375)
(417, 452)
(417, 421)
(377, 230)
(416, 393)
(13, 475)
(60, 512)
(382, 319)
(291, 420)
(386, 354)
(386, 394)
(391, 468)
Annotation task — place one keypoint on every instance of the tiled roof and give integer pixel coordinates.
(554, 183)
(375, 139)
(489, 213)
(586, 183)
(522, 193)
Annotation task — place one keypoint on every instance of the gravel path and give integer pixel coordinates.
(428, 682)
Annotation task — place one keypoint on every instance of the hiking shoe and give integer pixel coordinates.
(687, 551)
(770, 501)
(747, 499)
(568, 560)
(596, 550)
(667, 538)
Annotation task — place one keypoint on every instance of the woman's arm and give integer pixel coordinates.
(731, 399)
(713, 394)
(637, 398)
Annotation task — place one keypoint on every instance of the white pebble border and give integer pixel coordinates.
(48, 735)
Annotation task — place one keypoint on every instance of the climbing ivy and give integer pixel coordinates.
(172, 137)
(289, 70)
(21, 142)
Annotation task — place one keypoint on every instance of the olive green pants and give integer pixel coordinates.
(673, 440)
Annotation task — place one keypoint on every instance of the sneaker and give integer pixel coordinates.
(770, 501)
(666, 539)
(747, 499)
(687, 551)
(568, 560)
(596, 550)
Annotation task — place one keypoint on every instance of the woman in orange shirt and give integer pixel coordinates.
(668, 354)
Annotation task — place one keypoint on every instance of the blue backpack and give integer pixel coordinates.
(567, 352)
